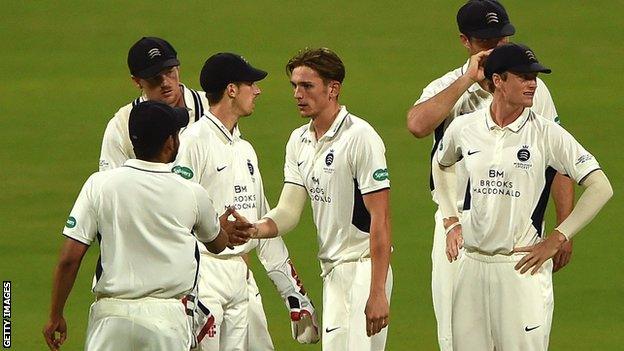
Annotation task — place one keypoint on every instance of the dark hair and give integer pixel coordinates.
(324, 61)
(214, 97)
(151, 150)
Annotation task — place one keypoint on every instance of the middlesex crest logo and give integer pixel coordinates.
(154, 53)
(250, 167)
(491, 17)
(523, 155)
(329, 159)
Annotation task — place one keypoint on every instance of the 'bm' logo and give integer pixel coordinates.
(495, 174)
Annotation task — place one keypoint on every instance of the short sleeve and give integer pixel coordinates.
(190, 163)
(544, 104)
(449, 151)
(207, 226)
(569, 157)
(81, 225)
(291, 163)
(369, 162)
(112, 154)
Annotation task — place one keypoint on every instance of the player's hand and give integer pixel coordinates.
(234, 229)
(475, 69)
(377, 313)
(303, 323)
(454, 242)
(49, 333)
(563, 256)
(539, 253)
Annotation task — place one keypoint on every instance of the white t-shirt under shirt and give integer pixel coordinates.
(473, 99)
(146, 220)
(344, 164)
(506, 172)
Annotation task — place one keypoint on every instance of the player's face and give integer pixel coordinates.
(164, 87)
(244, 102)
(313, 96)
(519, 88)
(476, 45)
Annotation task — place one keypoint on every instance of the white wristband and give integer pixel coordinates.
(450, 227)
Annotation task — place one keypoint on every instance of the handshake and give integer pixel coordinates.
(239, 230)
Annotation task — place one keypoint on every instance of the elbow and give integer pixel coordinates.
(416, 128)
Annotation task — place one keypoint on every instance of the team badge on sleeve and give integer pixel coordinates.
(381, 174)
(184, 172)
(71, 222)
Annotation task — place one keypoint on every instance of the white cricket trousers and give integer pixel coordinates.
(222, 288)
(345, 293)
(443, 277)
(258, 335)
(141, 324)
(497, 308)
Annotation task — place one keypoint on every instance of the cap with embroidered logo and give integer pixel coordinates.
(224, 68)
(150, 55)
(484, 19)
(514, 58)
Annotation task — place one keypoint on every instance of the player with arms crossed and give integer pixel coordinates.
(154, 69)
(338, 160)
(213, 154)
(507, 148)
(144, 218)
(484, 24)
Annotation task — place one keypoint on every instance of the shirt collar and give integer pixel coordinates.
(475, 86)
(148, 166)
(224, 132)
(515, 126)
(336, 124)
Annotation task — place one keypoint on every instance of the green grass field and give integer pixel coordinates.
(64, 74)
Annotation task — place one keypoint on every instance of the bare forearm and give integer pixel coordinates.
(64, 278)
(380, 239)
(563, 195)
(424, 118)
(265, 228)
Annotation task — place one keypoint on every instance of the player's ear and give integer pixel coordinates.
(334, 89)
(231, 90)
(137, 82)
(464, 40)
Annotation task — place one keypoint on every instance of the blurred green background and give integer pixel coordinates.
(64, 75)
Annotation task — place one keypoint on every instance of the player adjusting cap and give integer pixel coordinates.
(150, 55)
(224, 68)
(152, 122)
(484, 19)
(514, 58)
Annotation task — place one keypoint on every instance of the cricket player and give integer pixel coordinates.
(484, 24)
(507, 147)
(214, 154)
(155, 70)
(338, 161)
(144, 218)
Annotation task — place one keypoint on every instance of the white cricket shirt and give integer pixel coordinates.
(344, 164)
(145, 219)
(116, 144)
(475, 98)
(506, 172)
(227, 167)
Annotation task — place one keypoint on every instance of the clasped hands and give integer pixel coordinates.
(239, 230)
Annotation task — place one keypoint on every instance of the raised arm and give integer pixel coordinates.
(424, 117)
